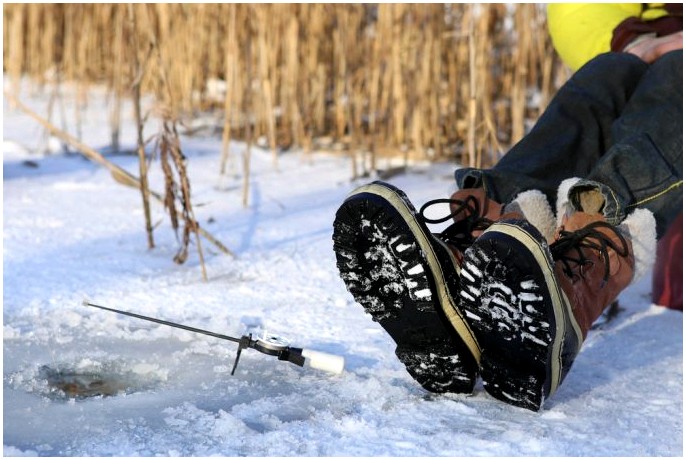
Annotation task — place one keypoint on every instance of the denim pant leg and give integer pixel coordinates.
(569, 137)
(644, 165)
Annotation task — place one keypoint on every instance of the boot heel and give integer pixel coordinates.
(504, 380)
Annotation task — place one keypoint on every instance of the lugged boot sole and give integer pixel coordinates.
(516, 309)
(392, 266)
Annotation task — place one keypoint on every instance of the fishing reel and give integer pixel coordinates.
(274, 345)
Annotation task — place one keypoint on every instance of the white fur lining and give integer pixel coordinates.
(534, 205)
(640, 227)
(564, 206)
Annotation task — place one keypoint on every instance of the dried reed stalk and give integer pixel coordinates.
(471, 132)
(265, 48)
(393, 79)
(518, 105)
(138, 70)
(230, 78)
(247, 108)
(117, 79)
(118, 173)
(178, 188)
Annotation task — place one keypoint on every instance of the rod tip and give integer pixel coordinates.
(85, 302)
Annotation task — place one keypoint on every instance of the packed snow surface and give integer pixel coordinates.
(70, 232)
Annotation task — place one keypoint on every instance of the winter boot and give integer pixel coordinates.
(472, 212)
(406, 277)
(531, 305)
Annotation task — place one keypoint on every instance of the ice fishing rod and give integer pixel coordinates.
(268, 344)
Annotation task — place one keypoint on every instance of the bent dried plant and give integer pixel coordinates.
(177, 189)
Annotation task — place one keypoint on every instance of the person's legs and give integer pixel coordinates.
(532, 302)
(570, 136)
(376, 229)
(643, 167)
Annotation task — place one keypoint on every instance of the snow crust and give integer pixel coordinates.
(70, 232)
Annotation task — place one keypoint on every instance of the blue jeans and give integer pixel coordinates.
(618, 125)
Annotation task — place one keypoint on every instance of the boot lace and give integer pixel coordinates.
(568, 248)
(459, 233)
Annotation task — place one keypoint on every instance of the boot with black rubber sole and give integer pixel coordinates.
(522, 319)
(405, 278)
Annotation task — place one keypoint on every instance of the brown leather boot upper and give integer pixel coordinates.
(472, 213)
(593, 264)
(486, 207)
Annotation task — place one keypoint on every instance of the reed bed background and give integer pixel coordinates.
(454, 82)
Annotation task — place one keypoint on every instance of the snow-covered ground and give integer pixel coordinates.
(70, 232)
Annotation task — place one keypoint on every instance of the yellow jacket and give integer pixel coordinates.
(581, 31)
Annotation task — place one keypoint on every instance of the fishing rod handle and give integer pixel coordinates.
(323, 361)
